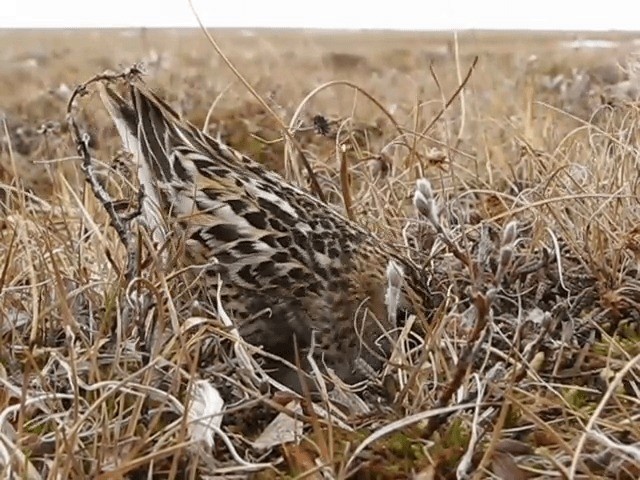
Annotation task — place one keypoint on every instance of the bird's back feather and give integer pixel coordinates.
(293, 264)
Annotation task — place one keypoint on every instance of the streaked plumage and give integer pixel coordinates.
(291, 264)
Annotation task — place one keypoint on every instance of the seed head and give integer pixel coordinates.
(424, 201)
(509, 233)
(395, 277)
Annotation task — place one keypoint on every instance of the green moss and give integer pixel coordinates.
(457, 435)
(577, 399)
(403, 446)
(513, 417)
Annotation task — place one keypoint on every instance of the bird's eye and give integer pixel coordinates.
(401, 315)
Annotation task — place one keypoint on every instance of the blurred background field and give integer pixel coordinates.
(573, 72)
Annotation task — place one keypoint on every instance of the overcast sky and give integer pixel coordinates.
(395, 14)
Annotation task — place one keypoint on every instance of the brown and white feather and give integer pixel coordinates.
(291, 264)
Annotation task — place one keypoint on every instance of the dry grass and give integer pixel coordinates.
(529, 366)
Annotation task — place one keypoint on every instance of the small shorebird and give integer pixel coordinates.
(290, 264)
